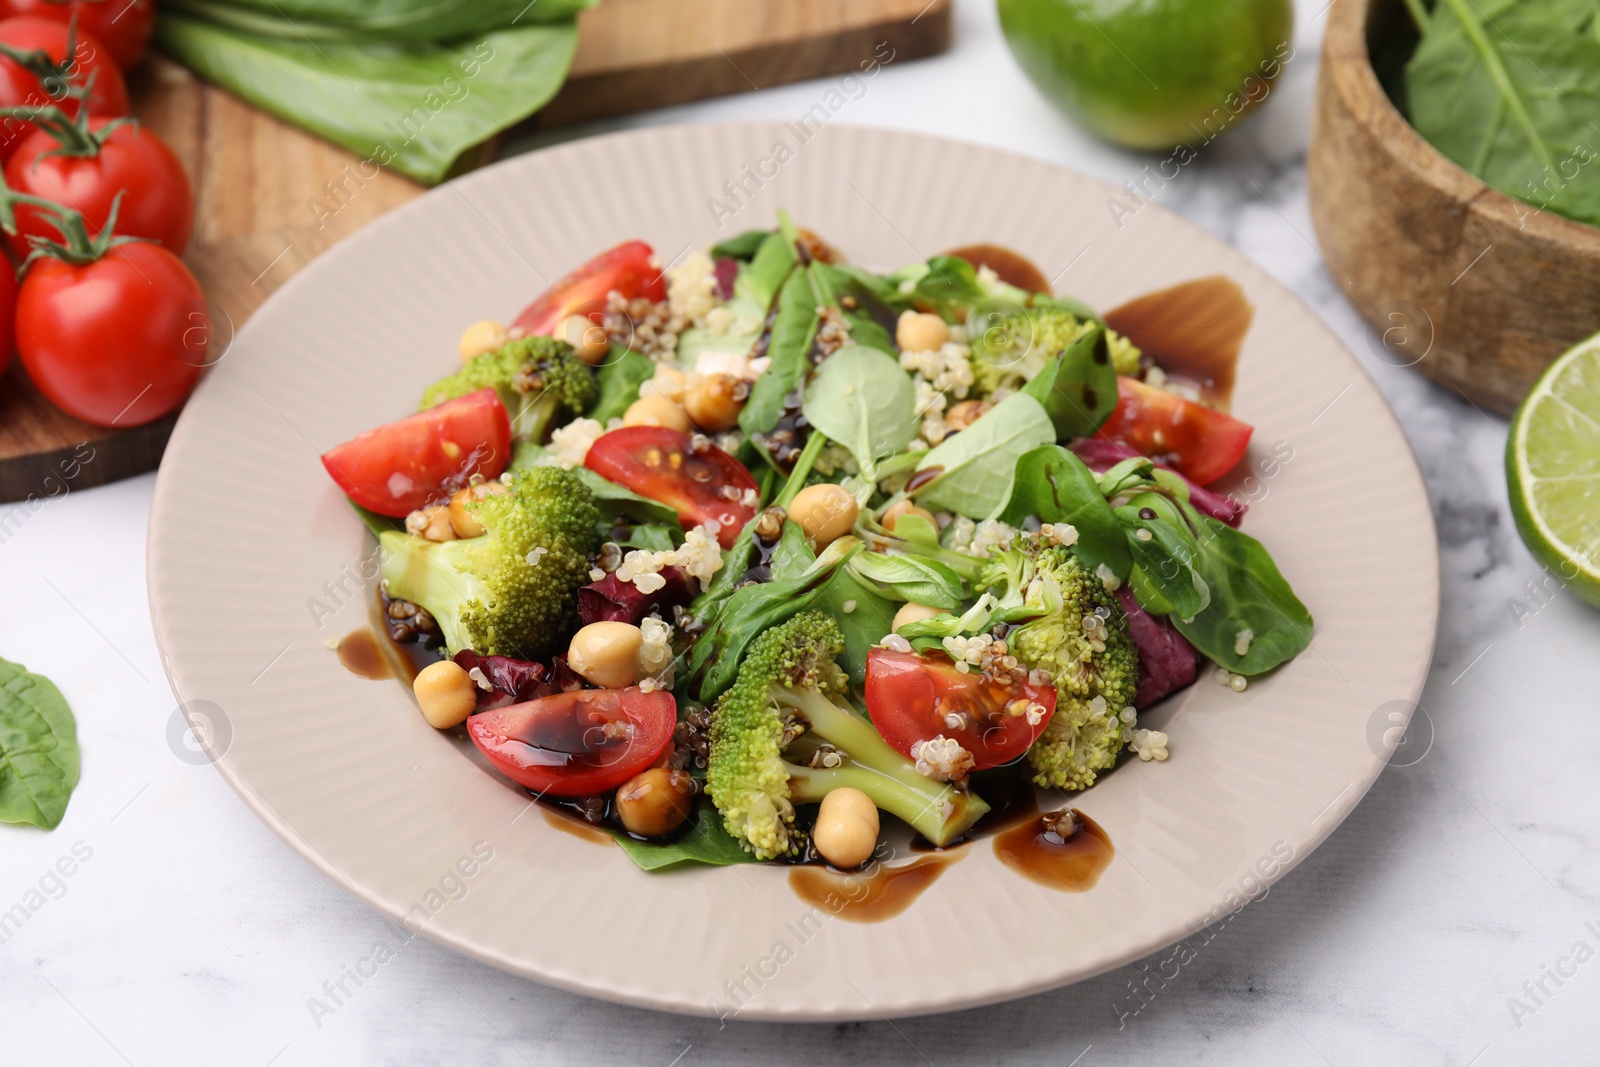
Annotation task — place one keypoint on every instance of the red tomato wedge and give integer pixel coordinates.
(915, 698)
(577, 744)
(661, 463)
(1201, 443)
(398, 468)
(629, 268)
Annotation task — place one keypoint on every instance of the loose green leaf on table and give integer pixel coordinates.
(38, 748)
(1510, 90)
(978, 465)
(861, 398)
(416, 107)
(1053, 485)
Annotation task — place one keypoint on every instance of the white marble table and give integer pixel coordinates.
(1461, 888)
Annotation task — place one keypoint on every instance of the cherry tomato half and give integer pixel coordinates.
(661, 463)
(159, 204)
(629, 268)
(1201, 443)
(20, 87)
(116, 342)
(577, 744)
(915, 698)
(398, 468)
(123, 26)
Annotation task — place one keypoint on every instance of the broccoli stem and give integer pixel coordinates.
(802, 469)
(935, 810)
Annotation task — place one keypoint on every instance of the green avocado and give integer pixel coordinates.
(1152, 74)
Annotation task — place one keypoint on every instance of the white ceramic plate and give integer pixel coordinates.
(251, 546)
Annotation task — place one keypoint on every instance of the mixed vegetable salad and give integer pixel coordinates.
(733, 557)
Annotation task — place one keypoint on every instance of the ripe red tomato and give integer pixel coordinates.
(21, 87)
(159, 203)
(629, 268)
(915, 698)
(123, 26)
(577, 744)
(116, 342)
(398, 468)
(661, 463)
(8, 315)
(1201, 443)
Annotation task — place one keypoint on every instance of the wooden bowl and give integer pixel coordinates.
(1476, 289)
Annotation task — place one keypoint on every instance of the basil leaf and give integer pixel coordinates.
(414, 107)
(1247, 593)
(978, 465)
(1053, 485)
(1511, 92)
(704, 841)
(861, 398)
(38, 749)
(910, 578)
(870, 618)
(793, 329)
(1165, 554)
(1079, 387)
(742, 247)
(760, 280)
(389, 20)
(619, 380)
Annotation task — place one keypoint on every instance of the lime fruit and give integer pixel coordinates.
(1553, 469)
(1152, 73)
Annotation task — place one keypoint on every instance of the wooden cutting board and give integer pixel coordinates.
(257, 178)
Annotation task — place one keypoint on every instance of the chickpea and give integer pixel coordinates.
(905, 507)
(432, 523)
(920, 332)
(607, 653)
(655, 802)
(481, 337)
(825, 512)
(668, 381)
(847, 828)
(713, 401)
(586, 337)
(464, 522)
(912, 612)
(446, 694)
(965, 413)
(656, 411)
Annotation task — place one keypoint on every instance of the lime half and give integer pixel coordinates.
(1553, 469)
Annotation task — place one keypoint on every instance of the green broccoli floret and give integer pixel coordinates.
(513, 590)
(1069, 624)
(541, 381)
(1011, 351)
(789, 684)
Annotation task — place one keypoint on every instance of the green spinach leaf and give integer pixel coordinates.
(910, 578)
(978, 465)
(619, 380)
(742, 247)
(867, 621)
(1053, 485)
(793, 329)
(1165, 553)
(38, 749)
(861, 398)
(760, 280)
(386, 20)
(1078, 388)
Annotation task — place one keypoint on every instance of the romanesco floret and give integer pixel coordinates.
(1070, 625)
(1011, 352)
(513, 590)
(540, 380)
(788, 702)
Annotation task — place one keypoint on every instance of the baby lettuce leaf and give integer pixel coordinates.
(382, 20)
(619, 380)
(793, 329)
(1053, 485)
(978, 465)
(1247, 593)
(38, 749)
(1510, 90)
(1164, 554)
(861, 398)
(1078, 388)
(910, 578)
(416, 107)
(868, 621)
(760, 280)
(705, 841)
